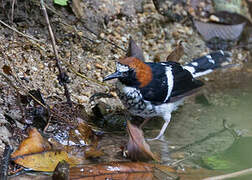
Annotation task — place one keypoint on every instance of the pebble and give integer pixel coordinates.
(175, 35)
(82, 99)
(99, 66)
(124, 39)
(80, 33)
(113, 93)
(34, 68)
(41, 66)
(102, 35)
(88, 66)
(239, 56)
(214, 18)
(116, 56)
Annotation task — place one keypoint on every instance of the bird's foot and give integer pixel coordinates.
(158, 138)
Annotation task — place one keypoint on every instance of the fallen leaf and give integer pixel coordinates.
(226, 32)
(44, 161)
(33, 144)
(77, 8)
(119, 170)
(137, 147)
(37, 154)
(134, 50)
(177, 53)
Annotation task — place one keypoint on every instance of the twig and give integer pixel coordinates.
(5, 162)
(61, 73)
(231, 175)
(12, 10)
(14, 29)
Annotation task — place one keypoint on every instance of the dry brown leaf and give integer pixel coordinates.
(137, 147)
(226, 32)
(114, 170)
(33, 144)
(120, 170)
(7, 70)
(36, 153)
(77, 8)
(45, 161)
(177, 53)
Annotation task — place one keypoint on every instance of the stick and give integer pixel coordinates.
(61, 73)
(12, 10)
(231, 175)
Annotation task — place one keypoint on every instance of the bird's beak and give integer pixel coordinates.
(116, 74)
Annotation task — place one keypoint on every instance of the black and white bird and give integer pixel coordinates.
(149, 89)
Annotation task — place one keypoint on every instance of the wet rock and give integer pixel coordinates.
(61, 171)
(111, 121)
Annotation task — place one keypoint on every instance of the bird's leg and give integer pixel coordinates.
(144, 122)
(167, 119)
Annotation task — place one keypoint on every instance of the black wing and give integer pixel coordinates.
(184, 83)
(156, 91)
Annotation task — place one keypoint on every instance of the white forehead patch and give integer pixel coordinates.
(121, 68)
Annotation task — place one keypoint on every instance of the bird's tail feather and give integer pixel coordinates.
(208, 63)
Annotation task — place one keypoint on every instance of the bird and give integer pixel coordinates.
(150, 89)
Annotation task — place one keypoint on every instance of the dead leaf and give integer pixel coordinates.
(137, 147)
(44, 161)
(114, 170)
(177, 53)
(120, 170)
(7, 70)
(225, 32)
(134, 50)
(36, 153)
(33, 144)
(77, 8)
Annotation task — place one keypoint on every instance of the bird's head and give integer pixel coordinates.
(131, 71)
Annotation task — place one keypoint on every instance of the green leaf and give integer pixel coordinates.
(61, 2)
